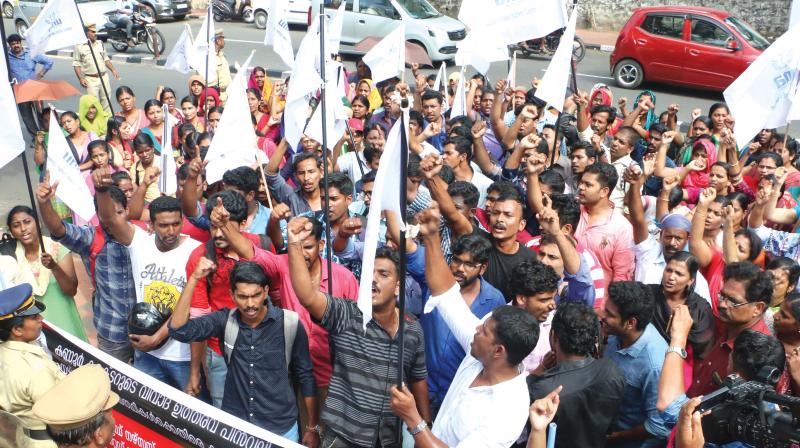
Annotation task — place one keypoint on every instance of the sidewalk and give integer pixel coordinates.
(598, 40)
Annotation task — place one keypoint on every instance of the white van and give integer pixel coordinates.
(425, 26)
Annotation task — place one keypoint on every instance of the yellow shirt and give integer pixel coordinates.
(26, 373)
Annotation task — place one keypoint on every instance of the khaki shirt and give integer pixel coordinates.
(82, 57)
(26, 373)
(223, 72)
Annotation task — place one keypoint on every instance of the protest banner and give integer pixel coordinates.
(151, 414)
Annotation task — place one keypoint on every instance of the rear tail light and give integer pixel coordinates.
(308, 18)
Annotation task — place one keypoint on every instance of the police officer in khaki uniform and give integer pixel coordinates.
(223, 69)
(86, 71)
(77, 410)
(26, 372)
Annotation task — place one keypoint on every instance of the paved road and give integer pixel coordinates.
(242, 38)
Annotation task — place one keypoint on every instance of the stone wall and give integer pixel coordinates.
(770, 17)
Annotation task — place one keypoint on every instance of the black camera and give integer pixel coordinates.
(751, 412)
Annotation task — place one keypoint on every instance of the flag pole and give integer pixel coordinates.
(574, 87)
(209, 18)
(322, 58)
(94, 59)
(22, 155)
(401, 299)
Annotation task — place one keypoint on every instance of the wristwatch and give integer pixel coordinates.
(679, 350)
(419, 428)
(316, 428)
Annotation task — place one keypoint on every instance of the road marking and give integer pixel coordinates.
(245, 41)
(588, 76)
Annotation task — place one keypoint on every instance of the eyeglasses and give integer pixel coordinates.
(455, 262)
(723, 298)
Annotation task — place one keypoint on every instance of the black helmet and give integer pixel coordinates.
(145, 319)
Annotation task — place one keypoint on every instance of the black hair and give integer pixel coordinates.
(692, 267)
(716, 106)
(430, 94)
(123, 89)
(576, 327)
(675, 198)
(81, 435)
(8, 325)
(163, 204)
(68, 113)
(143, 139)
(361, 99)
(388, 254)
(254, 91)
(474, 244)
(634, 301)
(248, 272)
(119, 176)
(216, 109)
(341, 182)
(103, 144)
(447, 174)
(758, 284)
(516, 330)
(112, 125)
(461, 146)
(183, 172)
(18, 209)
(742, 199)
(612, 113)
(368, 177)
(553, 179)
(753, 350)
(413, 169)
(233, 202)
(13, 38)
(658, 127)
(150, 103)
(706, 120)
(755, 242)
(568, 209)
(116, 195)
(305, 155)
(167, 90)
(466, 190)
(787, 264)
(191, 99)
(532, 277)
(606, 174)
(416, 117)
(460, 131)
(502, 186)
(243, 178)
(629, 132)
(771, 155)
(793, 299)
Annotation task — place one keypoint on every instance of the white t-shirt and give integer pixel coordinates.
(348, 164)
(159, 278)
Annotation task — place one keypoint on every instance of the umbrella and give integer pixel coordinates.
(414, 52)
(39, 90)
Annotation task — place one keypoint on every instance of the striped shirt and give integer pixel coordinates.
(114, 294)
(365, 367)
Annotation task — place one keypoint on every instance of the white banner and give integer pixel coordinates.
(168, 179)
(63, 168)
(277, 31)
(514, 21)
(387, 58)
(180, 57)
(234, 143)
(794, 14)
(57, 26)
(306, 80)
(553, 87)
(11, 141)
(761, 97)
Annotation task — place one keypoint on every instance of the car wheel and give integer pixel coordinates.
(22, 27)
(628, 74)
(260, 19)
(8, 10)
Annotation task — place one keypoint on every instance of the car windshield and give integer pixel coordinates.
(419, 9)
(750, 35)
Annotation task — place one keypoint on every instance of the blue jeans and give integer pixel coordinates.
(217, 372)
(293, 434)
(173, 373)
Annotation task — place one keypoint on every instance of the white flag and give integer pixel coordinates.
(385, 196)
(511, 79)
(168, 179)
(335, 111)
(306, 80)
(761, 97)
(204, 57)
(513, 21)
(63, 168)
(333, 34)
(441, 76)
(235, 142)
(277, 31)
(553, 87)
(181, 55)
(479, 49)
(57, 26)
(460, 100)
(11, 141)
(387, 58)
(794, 14)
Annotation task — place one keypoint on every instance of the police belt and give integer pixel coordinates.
(94, 75)
(36, 434)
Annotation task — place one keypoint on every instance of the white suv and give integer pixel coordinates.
(425, 26)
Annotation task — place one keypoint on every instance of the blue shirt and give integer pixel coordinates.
(258, 226)
(641, 366)
(115, 293)
(437, 141)
(23, 67)
(443, 353)
(580, 287)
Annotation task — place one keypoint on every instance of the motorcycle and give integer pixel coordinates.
(144, 32)
(232, 10)
(547, 45)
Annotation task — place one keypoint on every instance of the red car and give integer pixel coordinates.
(684, 45)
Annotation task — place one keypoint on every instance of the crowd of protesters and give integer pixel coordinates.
(600, 268)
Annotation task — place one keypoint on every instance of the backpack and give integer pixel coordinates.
(290, 321)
